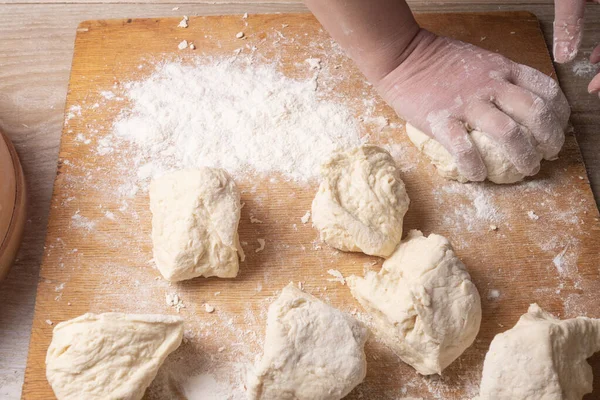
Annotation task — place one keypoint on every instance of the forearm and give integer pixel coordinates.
(376, 34)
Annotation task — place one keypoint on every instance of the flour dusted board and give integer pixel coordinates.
(98, 247)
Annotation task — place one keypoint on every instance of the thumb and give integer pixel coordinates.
(594, 86)
(568, 28)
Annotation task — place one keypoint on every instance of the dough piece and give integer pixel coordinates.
(361, 202)
(541, 357)
(195, 217)
(423, 302)
(312, 351)
(109, 356)
(499, 168)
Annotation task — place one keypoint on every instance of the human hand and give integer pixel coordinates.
(568, 32)
(445, 87)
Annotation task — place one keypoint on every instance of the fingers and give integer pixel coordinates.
(568, 29)
(517, 144)
(454, 137)
(533, 112)
(595, 56)
(594, 86)
(545, 87)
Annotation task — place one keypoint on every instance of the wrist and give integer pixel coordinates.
(416, 52)
(385, 55)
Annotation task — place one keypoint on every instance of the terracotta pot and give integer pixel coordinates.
(12, 204)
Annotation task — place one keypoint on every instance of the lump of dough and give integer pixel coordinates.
(361, 202)
(499, 168)
(423, 302)
(541, 357)
(195, 217)
(312, 351)
(109, 356)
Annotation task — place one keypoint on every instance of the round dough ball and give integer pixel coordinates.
(361, 202)
(423, 303)
(499, 168)
(541, 357)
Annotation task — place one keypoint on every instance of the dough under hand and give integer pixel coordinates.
(541, 358)
(499, 168)
(423, 302)
(109, 356)
(195, 217)
(312, 351)
(361, 202)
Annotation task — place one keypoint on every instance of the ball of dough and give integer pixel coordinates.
(423, 302)
(361, 202)
(541, 357)
(109, 356)
(312, 351)
(195, 217)
(499, 168)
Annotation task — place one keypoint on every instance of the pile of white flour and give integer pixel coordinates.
(231, 114)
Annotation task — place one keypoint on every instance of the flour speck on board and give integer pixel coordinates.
(261, 245)
(206, 386)
(184, 22)
(79, 221)
(337, 276)
(173, 300)
(305, 218)
(584, 68)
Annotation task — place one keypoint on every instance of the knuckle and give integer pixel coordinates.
(461, 146)
(539, 108)
(509, 130)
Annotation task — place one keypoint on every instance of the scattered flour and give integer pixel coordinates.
(209, 308)
(186, 115)
(206, 386)
(79, 221)
(261, 245)
(305, 218)
(254, 220)
(337, 276)
(183, 23)
(174, 301)
(584, 68)
(532, 215)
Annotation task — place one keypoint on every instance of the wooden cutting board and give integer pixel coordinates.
(98, 247)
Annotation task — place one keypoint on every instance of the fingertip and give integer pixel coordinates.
(479, 176)
(471, 166)
(565, 51)
(594, 86)
(535, 169)
(595, 56)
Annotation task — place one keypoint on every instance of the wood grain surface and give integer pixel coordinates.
(102, 267)
(35, 58)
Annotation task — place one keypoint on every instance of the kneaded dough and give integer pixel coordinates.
(195, 217)
(499, 168)
(361, 202)
(423, 302)
(312, 351)
(109, 356)
(541, 357)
